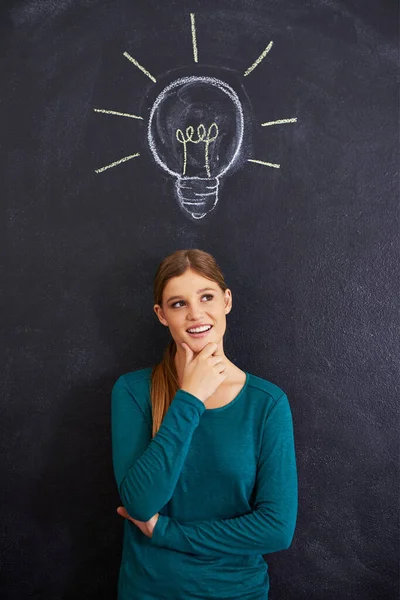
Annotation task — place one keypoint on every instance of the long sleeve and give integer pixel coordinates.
(270, 526)
(146, 469)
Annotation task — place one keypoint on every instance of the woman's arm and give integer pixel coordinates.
(270, 526)
(146, 470)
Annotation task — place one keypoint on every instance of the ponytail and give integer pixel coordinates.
(164, 385)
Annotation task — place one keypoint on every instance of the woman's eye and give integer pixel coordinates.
(175, 303)
(180, 301)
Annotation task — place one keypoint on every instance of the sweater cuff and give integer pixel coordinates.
(187, 397)
(158, 536)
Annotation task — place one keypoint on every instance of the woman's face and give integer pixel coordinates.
(192, 300)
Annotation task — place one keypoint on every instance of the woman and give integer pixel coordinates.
(203, 454)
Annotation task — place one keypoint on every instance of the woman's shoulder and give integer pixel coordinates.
(135, 380)
(265, 387)
(267, 394)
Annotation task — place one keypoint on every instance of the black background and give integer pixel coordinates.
(309, 251)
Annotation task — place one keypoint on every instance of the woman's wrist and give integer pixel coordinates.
(152, 523)
(192, 393)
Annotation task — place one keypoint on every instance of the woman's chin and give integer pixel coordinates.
(197, 345)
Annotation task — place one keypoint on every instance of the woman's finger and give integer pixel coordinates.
(121, 510)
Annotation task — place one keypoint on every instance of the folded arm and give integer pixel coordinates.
(147, 469)
(270, 526)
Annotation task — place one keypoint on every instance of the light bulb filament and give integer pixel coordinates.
(202, 136)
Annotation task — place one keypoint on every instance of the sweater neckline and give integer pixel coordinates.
(232, 402)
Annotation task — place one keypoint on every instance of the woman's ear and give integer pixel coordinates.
(228, 301)
(159, 312)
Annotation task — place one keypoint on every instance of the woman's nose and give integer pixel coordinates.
(195, 312)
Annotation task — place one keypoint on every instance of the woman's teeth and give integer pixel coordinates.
(199, 331)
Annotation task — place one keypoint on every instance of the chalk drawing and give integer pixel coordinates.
(113, 112)
(135, 62)
(194, 41)
(259, 59)
(117, 162)
(195, 133)
(201, 137)
(261, 162)
(279, 122)
(172, 125)
(181, 138)
(208, 142)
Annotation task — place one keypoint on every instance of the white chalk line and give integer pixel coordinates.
(118, 162)
(202, 136)
(114, 112)
(194, 41)
(190, 186)
(225, 88)
(259, 59)
(139, 66)
(280, 122)
(261, 162)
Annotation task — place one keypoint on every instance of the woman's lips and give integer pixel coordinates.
(201, 334)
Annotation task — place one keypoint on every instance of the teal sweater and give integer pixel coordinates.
(223, 480)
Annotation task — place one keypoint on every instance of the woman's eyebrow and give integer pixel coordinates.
(198, 292)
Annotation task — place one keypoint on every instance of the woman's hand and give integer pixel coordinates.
(146, 527)
(203, 372)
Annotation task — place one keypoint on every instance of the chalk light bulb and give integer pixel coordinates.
(195, 134)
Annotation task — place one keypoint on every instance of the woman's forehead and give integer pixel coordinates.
(188, 282)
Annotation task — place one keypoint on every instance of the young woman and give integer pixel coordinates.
(203, 454)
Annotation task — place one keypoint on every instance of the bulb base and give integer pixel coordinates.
(197, 196)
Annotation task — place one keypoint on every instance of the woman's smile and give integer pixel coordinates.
(199, 332)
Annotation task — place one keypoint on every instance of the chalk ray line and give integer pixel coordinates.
(261, 162)
(117, 162)
(194, 40)
(259, 59)
(280, 122)
(114, 112)
(139, 66)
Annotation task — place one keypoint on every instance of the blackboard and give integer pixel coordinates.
(309, 249)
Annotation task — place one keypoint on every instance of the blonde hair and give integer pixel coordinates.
(164, 378)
